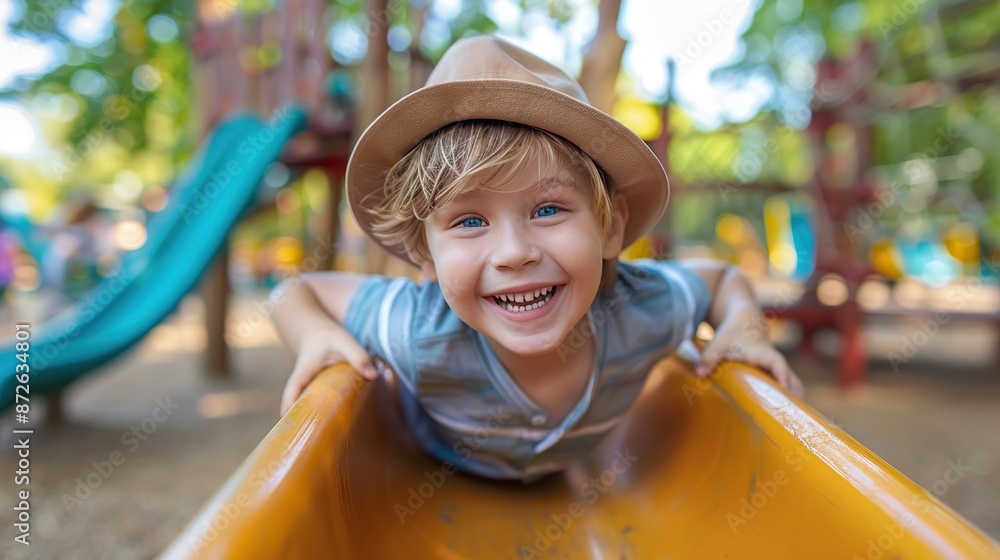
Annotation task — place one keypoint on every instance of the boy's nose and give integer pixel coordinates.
(514, 251)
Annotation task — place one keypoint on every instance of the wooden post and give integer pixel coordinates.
(54, 410)
(420, 68)
(224, 88)
(374, 68)
(332, 219)
(374, 97)
(839, 194)
(603, 58)
(215, 293)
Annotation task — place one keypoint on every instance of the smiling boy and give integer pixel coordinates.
(529, 338)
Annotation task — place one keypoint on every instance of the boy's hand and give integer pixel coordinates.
(319, 350)
(730, 344)
(740, 332)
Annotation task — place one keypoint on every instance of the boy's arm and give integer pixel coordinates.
(312, 302)
(729, 292)
(309, 313)
(740, 330)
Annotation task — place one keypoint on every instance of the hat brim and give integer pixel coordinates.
(629, 163)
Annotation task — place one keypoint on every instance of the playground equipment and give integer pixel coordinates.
(28, 235)
(258, 58)
(206, 203)
(728, 468)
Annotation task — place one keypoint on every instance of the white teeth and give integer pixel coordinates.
(529, 296)
(519, 299)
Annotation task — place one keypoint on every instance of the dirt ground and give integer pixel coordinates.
(923, 420)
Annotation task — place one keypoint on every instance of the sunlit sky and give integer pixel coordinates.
(700, 36)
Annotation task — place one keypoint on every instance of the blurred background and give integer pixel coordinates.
(843, 154)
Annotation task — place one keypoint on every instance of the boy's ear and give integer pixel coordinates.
(427, 268)
(616, 234)
(426, 263)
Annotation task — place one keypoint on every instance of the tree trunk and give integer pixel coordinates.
(374, 68)
(603, 58)
(215, 293)
(420, 67)
(375, 93)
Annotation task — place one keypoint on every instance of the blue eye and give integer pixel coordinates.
(472, 222)
(543, 213)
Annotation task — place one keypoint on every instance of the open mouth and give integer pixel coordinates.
(521, 303)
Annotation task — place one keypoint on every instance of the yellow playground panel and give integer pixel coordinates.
(728, 468)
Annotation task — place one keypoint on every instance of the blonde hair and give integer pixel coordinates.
(441, 167)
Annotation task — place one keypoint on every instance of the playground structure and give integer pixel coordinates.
(847, 99)
(184, 238)
(261, 63)
(840, 238)
(189, 237)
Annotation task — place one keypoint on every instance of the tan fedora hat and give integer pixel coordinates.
(486, 78)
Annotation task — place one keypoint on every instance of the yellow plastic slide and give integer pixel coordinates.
(729, 468)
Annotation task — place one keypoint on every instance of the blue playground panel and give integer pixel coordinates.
(205, 203)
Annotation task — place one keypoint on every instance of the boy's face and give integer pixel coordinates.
(516, 240)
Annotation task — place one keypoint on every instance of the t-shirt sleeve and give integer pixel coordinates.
(380, 316)
(689, 296)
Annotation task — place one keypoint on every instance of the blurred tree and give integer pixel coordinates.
(121, 97)
(124, 93)
(933, 97)
(603, 59)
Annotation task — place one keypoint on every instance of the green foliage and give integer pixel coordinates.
(130, 90)
(922, 100)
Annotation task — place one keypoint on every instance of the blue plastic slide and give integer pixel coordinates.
(205, 203)
(29, 235)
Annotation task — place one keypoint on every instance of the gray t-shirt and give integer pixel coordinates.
(465, 408)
